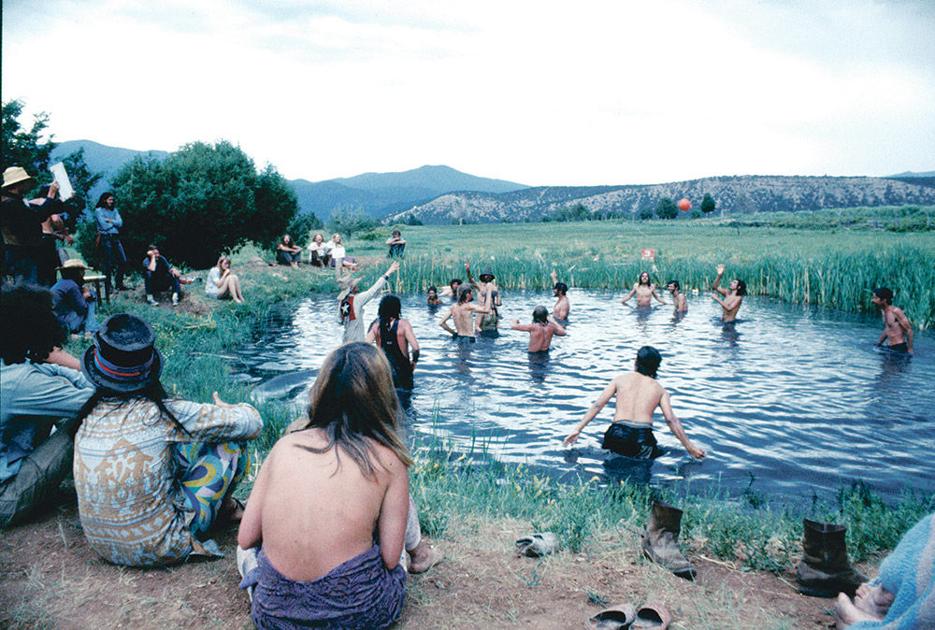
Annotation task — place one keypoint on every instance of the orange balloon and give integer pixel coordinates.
(684, 204)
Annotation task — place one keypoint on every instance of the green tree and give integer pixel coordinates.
(200, 201)
(302, 227)
(351, 221)
(707, 204)
(645, 214)
(666, 209)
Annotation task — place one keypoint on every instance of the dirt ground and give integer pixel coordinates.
(49, 577)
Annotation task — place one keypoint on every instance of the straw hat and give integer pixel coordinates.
(347, 286)
(15, 175)
(73, 263)
(124, 357)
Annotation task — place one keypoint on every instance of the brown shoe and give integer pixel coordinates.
(661, 540)
(824, 570)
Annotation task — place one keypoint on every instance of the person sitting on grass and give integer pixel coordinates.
(153, 475)
(432, 299)
(645, 291)
(397, 244)
(317, 255)
(72, 301)
(159, 275)
(638, 394)
(351, 303)
(330, 520)
(540, 330)
(288, 253)
(40, 388)
(222, 284)
(339, 258)
(733, 297)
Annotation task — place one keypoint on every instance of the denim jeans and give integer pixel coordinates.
(113, 260)
(39, 476)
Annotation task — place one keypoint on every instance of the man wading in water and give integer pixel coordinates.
(645, 291)
(562, 305)
(896, 326)
(540, 330)
(732, 298)
(462, 314)
(395, 337)
(678, 298)
(638, 394)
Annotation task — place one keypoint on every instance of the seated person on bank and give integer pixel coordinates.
(37, 392)
(638, 394)
(72, 301)
(288, 253)
(397, 244)
(339, 258)
(153, 475)
(331, 507)
(159, 275)
(222, 283)
(317, 254)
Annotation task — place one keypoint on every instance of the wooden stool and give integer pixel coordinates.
(96, 278)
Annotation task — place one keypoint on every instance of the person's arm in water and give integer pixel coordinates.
(675, 426)
(717, 281)
(557, 328)
(250, 533)
(906, 325)
(629, 295)
(595, 409)
(444, 323)
(394, 512)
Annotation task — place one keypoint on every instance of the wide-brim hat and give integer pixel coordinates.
(73, 263)
(15, 175)
(488, 274)
(347, 286)
(124, 357)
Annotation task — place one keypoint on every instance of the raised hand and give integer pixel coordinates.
(720, 270)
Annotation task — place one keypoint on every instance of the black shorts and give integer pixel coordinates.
(631, 441)
(900, 347)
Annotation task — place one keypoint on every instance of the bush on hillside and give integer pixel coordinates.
(303, 227)
(349, 222)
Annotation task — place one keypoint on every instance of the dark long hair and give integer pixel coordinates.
(647, 361)
(649, 280)
(389, 310)
(353, 401)
(103, 198)
(153, 392)
(30, 329)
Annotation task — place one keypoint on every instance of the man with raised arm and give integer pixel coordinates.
(463, 314)
(562, 305)
(733, 297)
(351, 304)
(897, 329)
(638, 394)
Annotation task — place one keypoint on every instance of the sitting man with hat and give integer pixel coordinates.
(153, 475)
(21, 226)
(73, 302)
(37, 393)
(351, 304)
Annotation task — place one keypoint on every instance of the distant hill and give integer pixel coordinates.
(735, 194)
(911, 174)
(376, 194)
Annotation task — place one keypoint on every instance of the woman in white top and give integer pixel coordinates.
(317, 251)
(223, 284)
(339, 254)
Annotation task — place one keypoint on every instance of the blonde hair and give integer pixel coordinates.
(353, 400)
(222, 259)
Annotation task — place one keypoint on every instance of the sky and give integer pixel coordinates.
(541, 93)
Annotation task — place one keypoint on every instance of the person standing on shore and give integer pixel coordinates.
(562, 305)
(463, 314)
(109, 223)
(897, 329)
(733, 297)
(351, 304)
(638, 394)
(644, 290)
(678, 298)
(540, 330)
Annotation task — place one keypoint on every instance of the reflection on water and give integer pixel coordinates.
(797, 399)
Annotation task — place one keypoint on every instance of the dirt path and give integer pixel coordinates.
(49, 577)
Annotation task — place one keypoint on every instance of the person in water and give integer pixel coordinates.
(897, 329)
(678, 298)
(351, 304)
(562, 305)
(486, 287)
(733, 297)
(451, 291)
(395, 337)
(638, 394)
(330, 520)
(463, 314)
(540, 330)
(433, 299)
(644, 290)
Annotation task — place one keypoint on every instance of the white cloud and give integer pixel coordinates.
(543, 93)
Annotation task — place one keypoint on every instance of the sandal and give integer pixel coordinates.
(652, 616)
(616, 617)
(537, 545)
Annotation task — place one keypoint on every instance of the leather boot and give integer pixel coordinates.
(661, 540)
(824, 570)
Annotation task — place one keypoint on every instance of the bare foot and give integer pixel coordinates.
(873, 600)
(423, 557)
(846, 613)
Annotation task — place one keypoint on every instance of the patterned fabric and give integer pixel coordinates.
(129, 480)
(360, 593)
(211, 471)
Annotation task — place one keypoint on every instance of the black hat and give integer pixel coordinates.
(123, 357)
(487, 274)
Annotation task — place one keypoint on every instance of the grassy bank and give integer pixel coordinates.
(825, 266)
(197, 338)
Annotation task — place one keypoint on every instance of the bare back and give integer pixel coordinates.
(637, 397)
(892, 327)
(314, 515)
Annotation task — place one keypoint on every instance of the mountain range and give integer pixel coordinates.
(440, 194)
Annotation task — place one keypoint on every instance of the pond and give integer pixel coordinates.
(792, 400)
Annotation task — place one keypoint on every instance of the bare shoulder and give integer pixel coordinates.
(388, 460)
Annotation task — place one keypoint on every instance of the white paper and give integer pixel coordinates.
(65, 191)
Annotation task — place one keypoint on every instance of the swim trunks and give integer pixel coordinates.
(464, 338)
(900, 347)
(631, 439)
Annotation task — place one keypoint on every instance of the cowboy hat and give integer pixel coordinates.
(124, 357)
(488, 274)
(16, 175)
(73, 263)
(347, 286)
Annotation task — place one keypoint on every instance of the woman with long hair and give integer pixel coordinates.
(153, 474)
(222, 283)
(109, 223)
(395, 337)
(331, 507)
